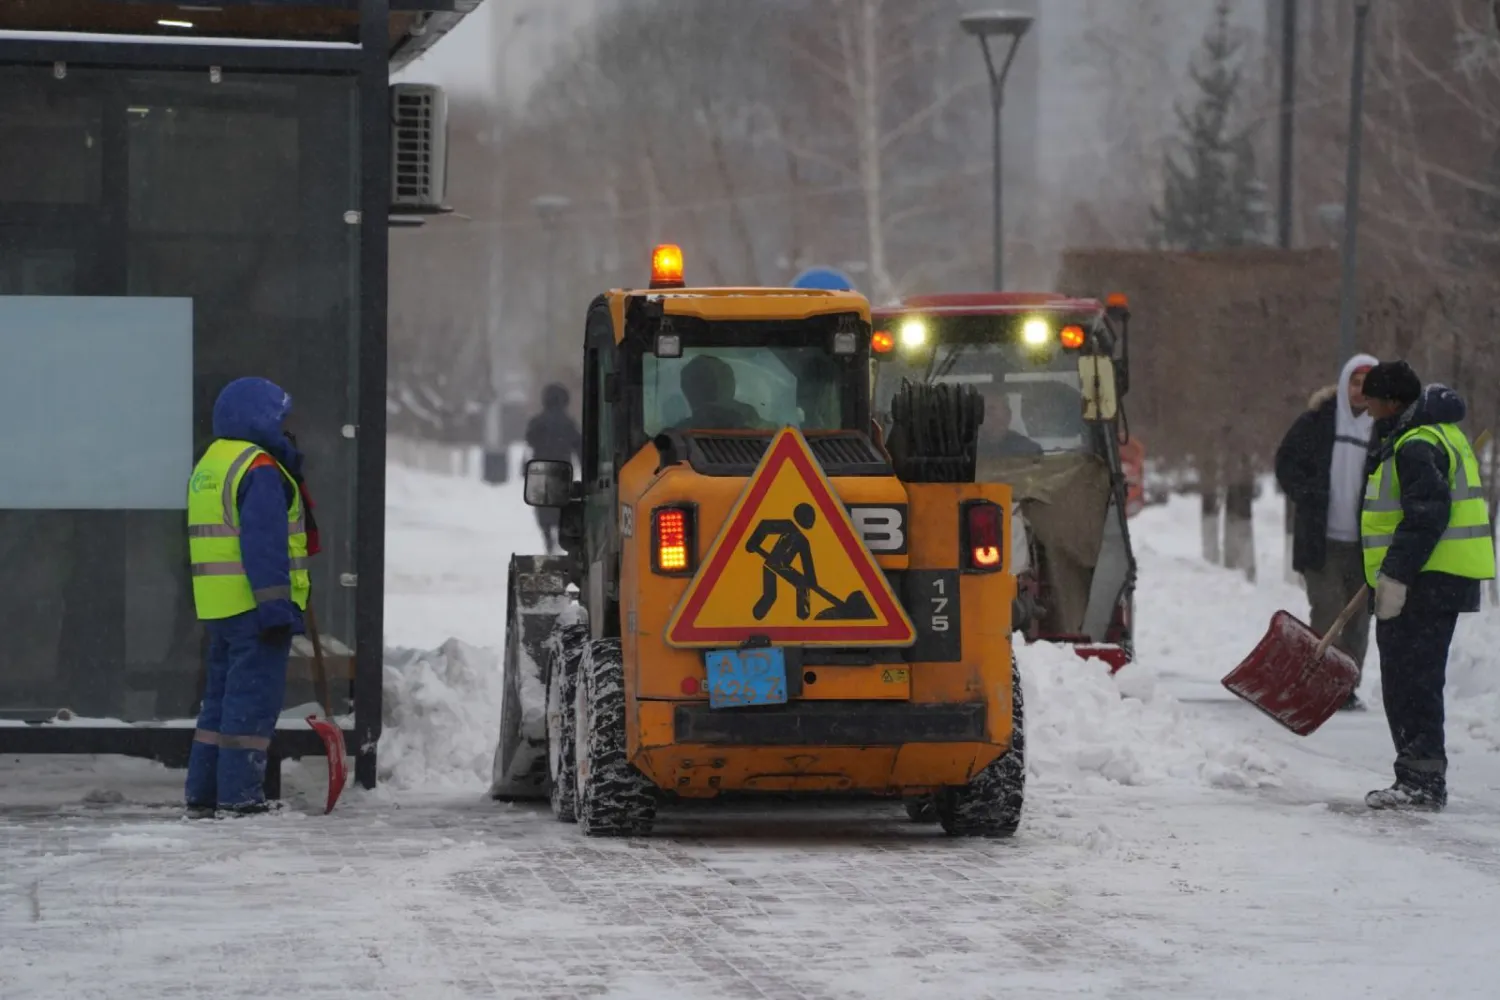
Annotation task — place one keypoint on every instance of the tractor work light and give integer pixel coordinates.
(881, 342)
(1036, 332)
(845, 342)
(669, 345)
(672, 541)
(913, 333)
(666, 266)
(1072, 337)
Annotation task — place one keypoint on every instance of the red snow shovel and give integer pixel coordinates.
(328, 730)
(1296, 678)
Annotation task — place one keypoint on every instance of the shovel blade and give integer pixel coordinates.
(333, 748)
(854, 608)
(1284, 677)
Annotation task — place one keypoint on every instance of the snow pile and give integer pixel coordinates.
(1474, 684)
(442, 715)
(1083, 726)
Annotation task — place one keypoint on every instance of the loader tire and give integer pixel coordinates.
(990, 804)
(614, 798)
(564, 651)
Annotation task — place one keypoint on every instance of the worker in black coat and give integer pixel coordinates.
(1320, 466)
(1428, 543)
(553, 435)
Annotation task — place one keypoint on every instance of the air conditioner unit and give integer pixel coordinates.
(419, 148)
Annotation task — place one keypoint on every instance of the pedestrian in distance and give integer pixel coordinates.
(552, 435)
(1428, 543)
(1320, 466)
(248, 544)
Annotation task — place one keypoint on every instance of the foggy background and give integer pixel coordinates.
(765, 136)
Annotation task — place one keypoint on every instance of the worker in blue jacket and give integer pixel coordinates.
(248, 543)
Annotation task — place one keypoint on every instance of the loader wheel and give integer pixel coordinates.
(614, 798)
(921, 809)
(990, 804)
(564, 651)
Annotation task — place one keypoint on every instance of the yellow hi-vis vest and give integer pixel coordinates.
(220, 587)
(1467, 547)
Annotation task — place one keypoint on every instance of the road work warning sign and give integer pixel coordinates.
(789, 566)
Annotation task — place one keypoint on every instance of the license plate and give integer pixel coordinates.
(742, 677)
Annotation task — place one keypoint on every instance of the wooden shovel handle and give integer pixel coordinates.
(1343, 619)
(320, 669)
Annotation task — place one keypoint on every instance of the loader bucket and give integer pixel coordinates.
(536, 594)
(1285, 677)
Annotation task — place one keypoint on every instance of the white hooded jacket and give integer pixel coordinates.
(1351, 442)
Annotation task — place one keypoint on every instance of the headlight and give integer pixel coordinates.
(1036, 332)
(913, 333)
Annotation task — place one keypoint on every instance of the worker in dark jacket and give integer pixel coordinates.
(552, 435)
(1320, 466)
(1428, 543)
(247, 539)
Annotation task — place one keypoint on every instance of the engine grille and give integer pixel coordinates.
(844, 453)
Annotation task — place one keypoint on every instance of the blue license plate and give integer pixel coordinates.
(741, 677)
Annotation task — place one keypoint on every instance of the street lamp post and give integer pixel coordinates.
(548, 208)
(1284, 215)
(1347, 303)
(985, 25)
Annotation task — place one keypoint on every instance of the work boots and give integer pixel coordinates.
(1402, 796)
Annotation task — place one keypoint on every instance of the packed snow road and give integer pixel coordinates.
(1176, 844)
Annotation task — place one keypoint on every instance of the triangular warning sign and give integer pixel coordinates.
(788, 566)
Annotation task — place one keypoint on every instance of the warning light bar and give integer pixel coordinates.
(981, 529)
(666, 266)
(672, 541)
(1117, 300)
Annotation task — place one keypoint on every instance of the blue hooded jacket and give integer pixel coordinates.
(1426, 500)
(253, 409)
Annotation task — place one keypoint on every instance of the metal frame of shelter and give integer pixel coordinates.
(371, 61)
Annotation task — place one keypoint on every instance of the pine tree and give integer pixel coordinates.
(1213, 198)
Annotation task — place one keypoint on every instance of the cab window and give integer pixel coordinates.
(1033, 405)
(742, 388)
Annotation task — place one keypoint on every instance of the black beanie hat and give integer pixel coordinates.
(1393, 380)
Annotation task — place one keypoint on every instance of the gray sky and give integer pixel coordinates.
(478, 57)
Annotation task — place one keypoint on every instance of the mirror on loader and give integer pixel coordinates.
(1096, 378)
(548, 483)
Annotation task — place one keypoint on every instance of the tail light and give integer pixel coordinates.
(672, 548)
(981, 536)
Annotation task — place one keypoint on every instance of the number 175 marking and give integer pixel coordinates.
(939, 603)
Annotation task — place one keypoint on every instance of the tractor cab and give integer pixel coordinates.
(1051, 371)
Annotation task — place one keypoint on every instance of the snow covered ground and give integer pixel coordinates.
(1176, 843)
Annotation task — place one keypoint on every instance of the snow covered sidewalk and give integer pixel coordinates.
(1176, 843)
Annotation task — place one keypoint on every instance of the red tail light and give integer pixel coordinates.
(672, 540)
(982, 536)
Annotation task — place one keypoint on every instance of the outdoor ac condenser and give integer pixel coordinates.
(419, 148)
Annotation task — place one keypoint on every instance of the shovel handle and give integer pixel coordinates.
(1343, 619)
(320, 669)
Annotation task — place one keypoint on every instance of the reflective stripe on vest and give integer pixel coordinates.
(220, 587)
(1466, 548)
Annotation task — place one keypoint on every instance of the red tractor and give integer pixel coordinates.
(1052, 371)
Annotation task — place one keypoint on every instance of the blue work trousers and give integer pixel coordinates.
(241, 703)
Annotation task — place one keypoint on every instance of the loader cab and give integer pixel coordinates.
(703, 376)
(1052, 371)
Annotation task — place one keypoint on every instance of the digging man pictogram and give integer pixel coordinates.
(790, 559)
